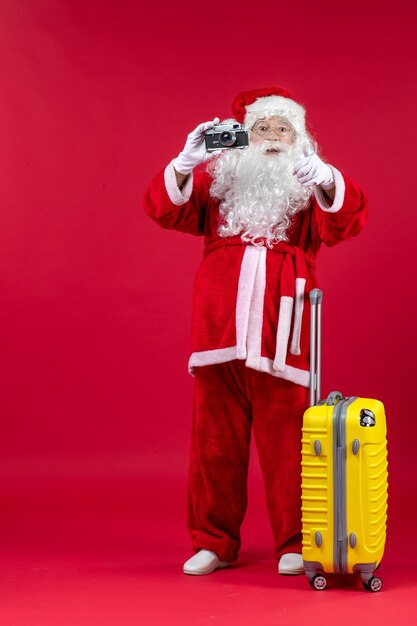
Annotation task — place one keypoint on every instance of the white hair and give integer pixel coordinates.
(258, 193)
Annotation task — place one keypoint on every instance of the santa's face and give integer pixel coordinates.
(274, 129)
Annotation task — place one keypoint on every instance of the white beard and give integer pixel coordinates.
(258, 193)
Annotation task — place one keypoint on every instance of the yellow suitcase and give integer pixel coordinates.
(344, 479)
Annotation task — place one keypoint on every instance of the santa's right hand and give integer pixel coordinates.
(194, 151)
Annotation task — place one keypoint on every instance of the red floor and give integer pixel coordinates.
(78, 561)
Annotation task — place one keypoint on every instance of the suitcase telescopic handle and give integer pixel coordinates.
(316, 297)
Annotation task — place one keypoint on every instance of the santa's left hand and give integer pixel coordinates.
(311, 170)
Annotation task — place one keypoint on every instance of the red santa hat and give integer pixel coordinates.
(248, 106)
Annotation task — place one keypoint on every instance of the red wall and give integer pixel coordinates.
(95, 300)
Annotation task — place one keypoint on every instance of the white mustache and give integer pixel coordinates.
(278, 146)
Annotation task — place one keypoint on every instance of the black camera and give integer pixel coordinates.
(226, 136)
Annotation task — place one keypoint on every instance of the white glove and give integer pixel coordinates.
(311, 170)
(194, 151)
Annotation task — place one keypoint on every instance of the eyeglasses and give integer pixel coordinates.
(263, 129)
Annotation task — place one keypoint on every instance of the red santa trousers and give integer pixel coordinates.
(229, 400)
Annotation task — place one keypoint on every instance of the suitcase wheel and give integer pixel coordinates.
(374, 584)
(318, 582)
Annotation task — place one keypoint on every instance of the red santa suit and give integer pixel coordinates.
(250, 354)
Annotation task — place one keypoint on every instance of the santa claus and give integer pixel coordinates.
(264, 213)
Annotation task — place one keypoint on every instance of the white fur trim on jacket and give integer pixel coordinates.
(283, 332)
(256, 312)
(263, 364)
(293, 374)
(339, 195)
(211, 357)
(248, 272)
(176, 195)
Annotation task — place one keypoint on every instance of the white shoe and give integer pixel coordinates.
(204, 562)
(291, 564)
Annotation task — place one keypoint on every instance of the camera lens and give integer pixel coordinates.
(227, 138)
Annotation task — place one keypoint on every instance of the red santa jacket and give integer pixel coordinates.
(250, 302)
